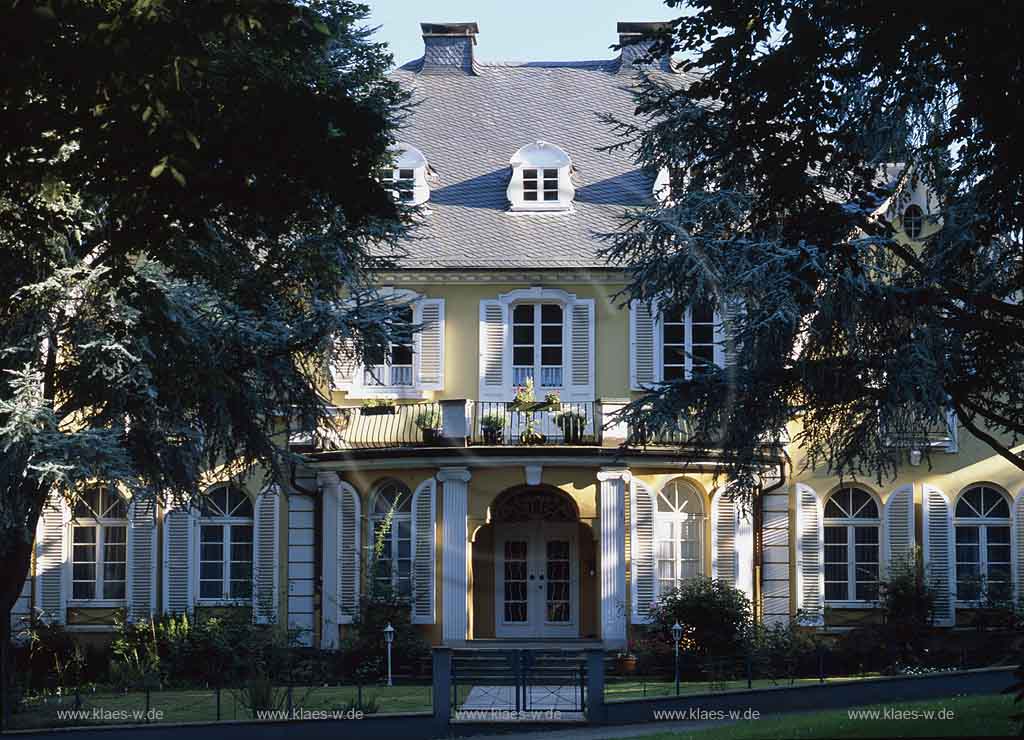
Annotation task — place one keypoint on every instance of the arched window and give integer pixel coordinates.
(391, 521)
(409, 175)
(982, 522)
(537, 341)
(225, 545)
(541, 178)
(678, 535)
(99, 546)
(913, 221)
(852, 545)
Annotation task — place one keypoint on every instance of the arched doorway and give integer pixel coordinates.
(536, 563)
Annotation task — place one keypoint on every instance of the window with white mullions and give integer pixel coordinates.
(852, 546)
(391, 520)
(537, 344)
(679, 535)
(540, 184)
(99, 546)
(226, 546)
(403, 180)
(688, 341)
(983, 545)
(391, 365)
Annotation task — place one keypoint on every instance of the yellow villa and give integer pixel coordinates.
(530, 519)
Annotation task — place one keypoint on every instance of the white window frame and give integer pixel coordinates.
(850, 524)
(360, 389)
(659, 342)
(982, 524)
(99, 524)
(678, 519)
(397, 516)
(540, 156)
(226, 524)
(538, 344)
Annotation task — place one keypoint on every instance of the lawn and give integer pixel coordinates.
(619, 690)
(965, 716)
(201, 705)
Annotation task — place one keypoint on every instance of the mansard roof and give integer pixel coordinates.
(469, 123)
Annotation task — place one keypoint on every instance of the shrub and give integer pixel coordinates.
(428, 419)
(492, 422)
(907, 604)
(785, 651)
(363, 652)
(716, 617)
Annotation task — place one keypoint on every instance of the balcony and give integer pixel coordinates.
(482, 424)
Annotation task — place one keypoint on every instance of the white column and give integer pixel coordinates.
(329, 484)
(454, 583)
(613, 556)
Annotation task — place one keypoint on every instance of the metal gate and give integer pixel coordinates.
(519, 680)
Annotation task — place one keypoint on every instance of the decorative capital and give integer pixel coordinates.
(534, 473)
(327, 478)
(614, 474)
(454, 474)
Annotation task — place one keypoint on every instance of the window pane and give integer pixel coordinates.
(674, 355)
(530, 186)
(551, 334)
(529, 195)
(523, 334)
(550, 173)
(401, 354)
(551, 356)
(550, 195)
(529, 174)
(523, 314)
(673, 334)
(405, 174)
(83, 590)
(673, 372)
(703, 334)
(522, 356)
(702, 313)
(210, 590)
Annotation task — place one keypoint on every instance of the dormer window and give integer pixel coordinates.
(541, 179)
(410, 174)
(913, 221)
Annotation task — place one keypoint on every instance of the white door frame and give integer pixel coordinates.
(536, 535)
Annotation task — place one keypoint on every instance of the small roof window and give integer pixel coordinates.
(411, 174)
(541, 178)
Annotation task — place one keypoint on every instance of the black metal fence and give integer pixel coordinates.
(541, 423)
(254, 700)
(518, 680)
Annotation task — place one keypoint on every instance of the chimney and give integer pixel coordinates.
(448, 48)
(635, 40)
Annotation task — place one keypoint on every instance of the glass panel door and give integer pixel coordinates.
(558, 572)
(516, 597)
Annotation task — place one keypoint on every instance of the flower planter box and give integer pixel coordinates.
(494, 436)
(527, 406)
(378, 410)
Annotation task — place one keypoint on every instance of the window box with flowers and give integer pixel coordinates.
(378, 406)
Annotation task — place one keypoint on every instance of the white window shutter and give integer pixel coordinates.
(52, 552)
(495, 363)
(141, 546)
(179, 561)
(810, 546)
(939, 560)
(430, 343)
(346, 367)
(643, 345)
(899, 529)
(723, 538)
(423, 519)
(641, 542)
(725, 349)
(1017, 545)
(580, 375)
(348, 553)
(266, 556)
(744, 553)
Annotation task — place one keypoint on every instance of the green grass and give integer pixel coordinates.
(201, 705)
(620, 690)
(973, 716)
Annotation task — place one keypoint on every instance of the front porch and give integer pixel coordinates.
(540, 571)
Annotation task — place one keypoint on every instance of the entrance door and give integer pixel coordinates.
(537, 581)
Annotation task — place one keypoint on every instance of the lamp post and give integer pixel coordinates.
(677, 634)
(389, 637)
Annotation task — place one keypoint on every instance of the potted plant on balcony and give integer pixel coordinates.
(375, 406)
(524, 400)
(493, 427)
(429, 423)
(552, 400)
(572, 424)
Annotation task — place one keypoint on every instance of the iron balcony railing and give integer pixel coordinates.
(540, 423)
(378, 427)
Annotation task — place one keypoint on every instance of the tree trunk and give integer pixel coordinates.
(14, 569)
